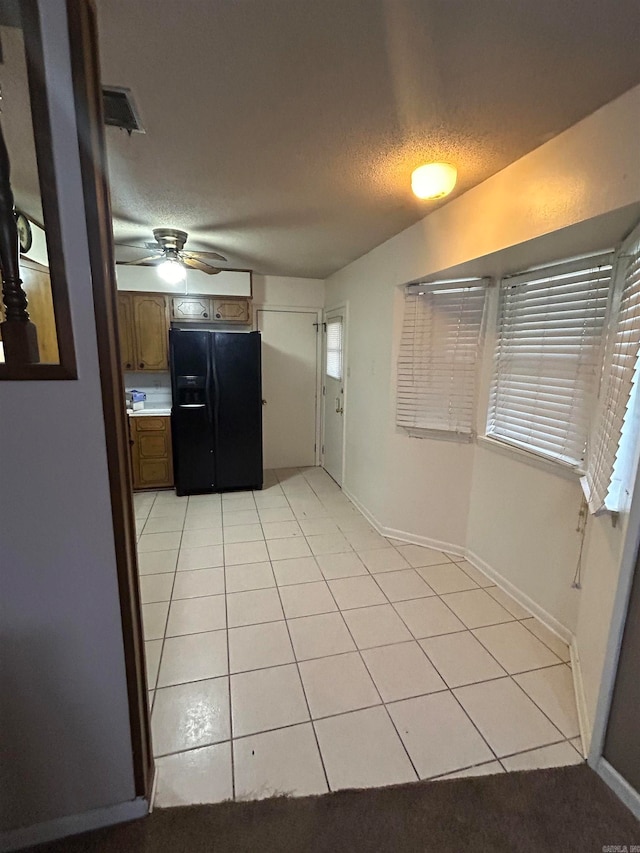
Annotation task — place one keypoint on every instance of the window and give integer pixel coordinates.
(548, 356)
(612, 453)
(334, 348)
(438, 357)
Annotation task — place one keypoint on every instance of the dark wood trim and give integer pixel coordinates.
(39, 97)
(88, 103)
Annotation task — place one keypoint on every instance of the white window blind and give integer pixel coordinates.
(612, 449)
(334, 348)
(548, 356)
(438, 357)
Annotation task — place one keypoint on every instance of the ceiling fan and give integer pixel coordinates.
(169, 257)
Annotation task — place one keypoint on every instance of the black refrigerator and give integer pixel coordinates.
(216, 413)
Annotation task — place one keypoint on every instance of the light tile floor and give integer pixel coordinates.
(292, 649)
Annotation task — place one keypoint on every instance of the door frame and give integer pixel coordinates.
(344, 308)
(83, 36)
(317, 312)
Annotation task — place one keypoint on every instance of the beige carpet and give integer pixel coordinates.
(565, 809)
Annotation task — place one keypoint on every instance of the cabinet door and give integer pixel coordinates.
(190, 308)
(151, 331)
(151, 452)
(126, 331)
(232, 310)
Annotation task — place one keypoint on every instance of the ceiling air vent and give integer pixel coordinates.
(120, 110)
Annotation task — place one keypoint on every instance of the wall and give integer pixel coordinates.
(65, 721)
(288, 292)
(601, 570)
(517, 516)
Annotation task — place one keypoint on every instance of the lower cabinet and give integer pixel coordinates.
(151, 454)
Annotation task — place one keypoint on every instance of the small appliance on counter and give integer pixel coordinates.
(135, 400)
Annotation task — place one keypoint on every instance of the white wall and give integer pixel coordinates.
(518, 517)
(65, 720)
(601, 570)
(287, 291)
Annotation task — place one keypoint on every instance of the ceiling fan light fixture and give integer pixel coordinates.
(434, 180)
(172, 271)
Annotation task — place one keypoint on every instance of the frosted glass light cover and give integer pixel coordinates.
(434, 180)
(173, 272)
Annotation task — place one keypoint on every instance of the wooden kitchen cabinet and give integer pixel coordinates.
(143, 320)
(151, 452)
(125, 327)
(193, 308)
(232, 310)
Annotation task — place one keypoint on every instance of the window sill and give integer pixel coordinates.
(561, 469)
(435, 434)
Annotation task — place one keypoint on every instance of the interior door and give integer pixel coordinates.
(289, 387)
(333, 394)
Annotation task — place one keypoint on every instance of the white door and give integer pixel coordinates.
(289, 387)
(333, 393)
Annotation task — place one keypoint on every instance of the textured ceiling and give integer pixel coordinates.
(283, 132)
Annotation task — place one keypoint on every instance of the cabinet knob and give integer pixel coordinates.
(141, 364)
(128, 365)
(218, 316)
(205, 315)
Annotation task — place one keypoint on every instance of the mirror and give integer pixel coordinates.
(36, 340)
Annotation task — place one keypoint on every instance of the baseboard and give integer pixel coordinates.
(581, 698)
(522, 598)
(403, 535)
(535, 609)
(620, 787)
(51, 830)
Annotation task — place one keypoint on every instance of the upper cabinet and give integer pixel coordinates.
(125, 329)
(191, 308)
(232, 310)
(144, 331)
(204, 309)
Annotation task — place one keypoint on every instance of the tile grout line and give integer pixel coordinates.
(297, 665)
(389, 717)
(226, 620)
(166, 622)
(348, 652)
(368, 708)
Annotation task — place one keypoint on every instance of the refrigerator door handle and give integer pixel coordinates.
(207, 394)
(216, 388)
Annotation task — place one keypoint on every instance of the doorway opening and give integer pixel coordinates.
(334, 378)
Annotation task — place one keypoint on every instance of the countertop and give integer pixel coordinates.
(150, 411)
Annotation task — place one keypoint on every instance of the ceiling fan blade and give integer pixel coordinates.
(138, 246)
(195, 264)
(214, 255)
(144, 262)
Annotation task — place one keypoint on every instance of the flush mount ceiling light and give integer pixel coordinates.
(434, 180)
